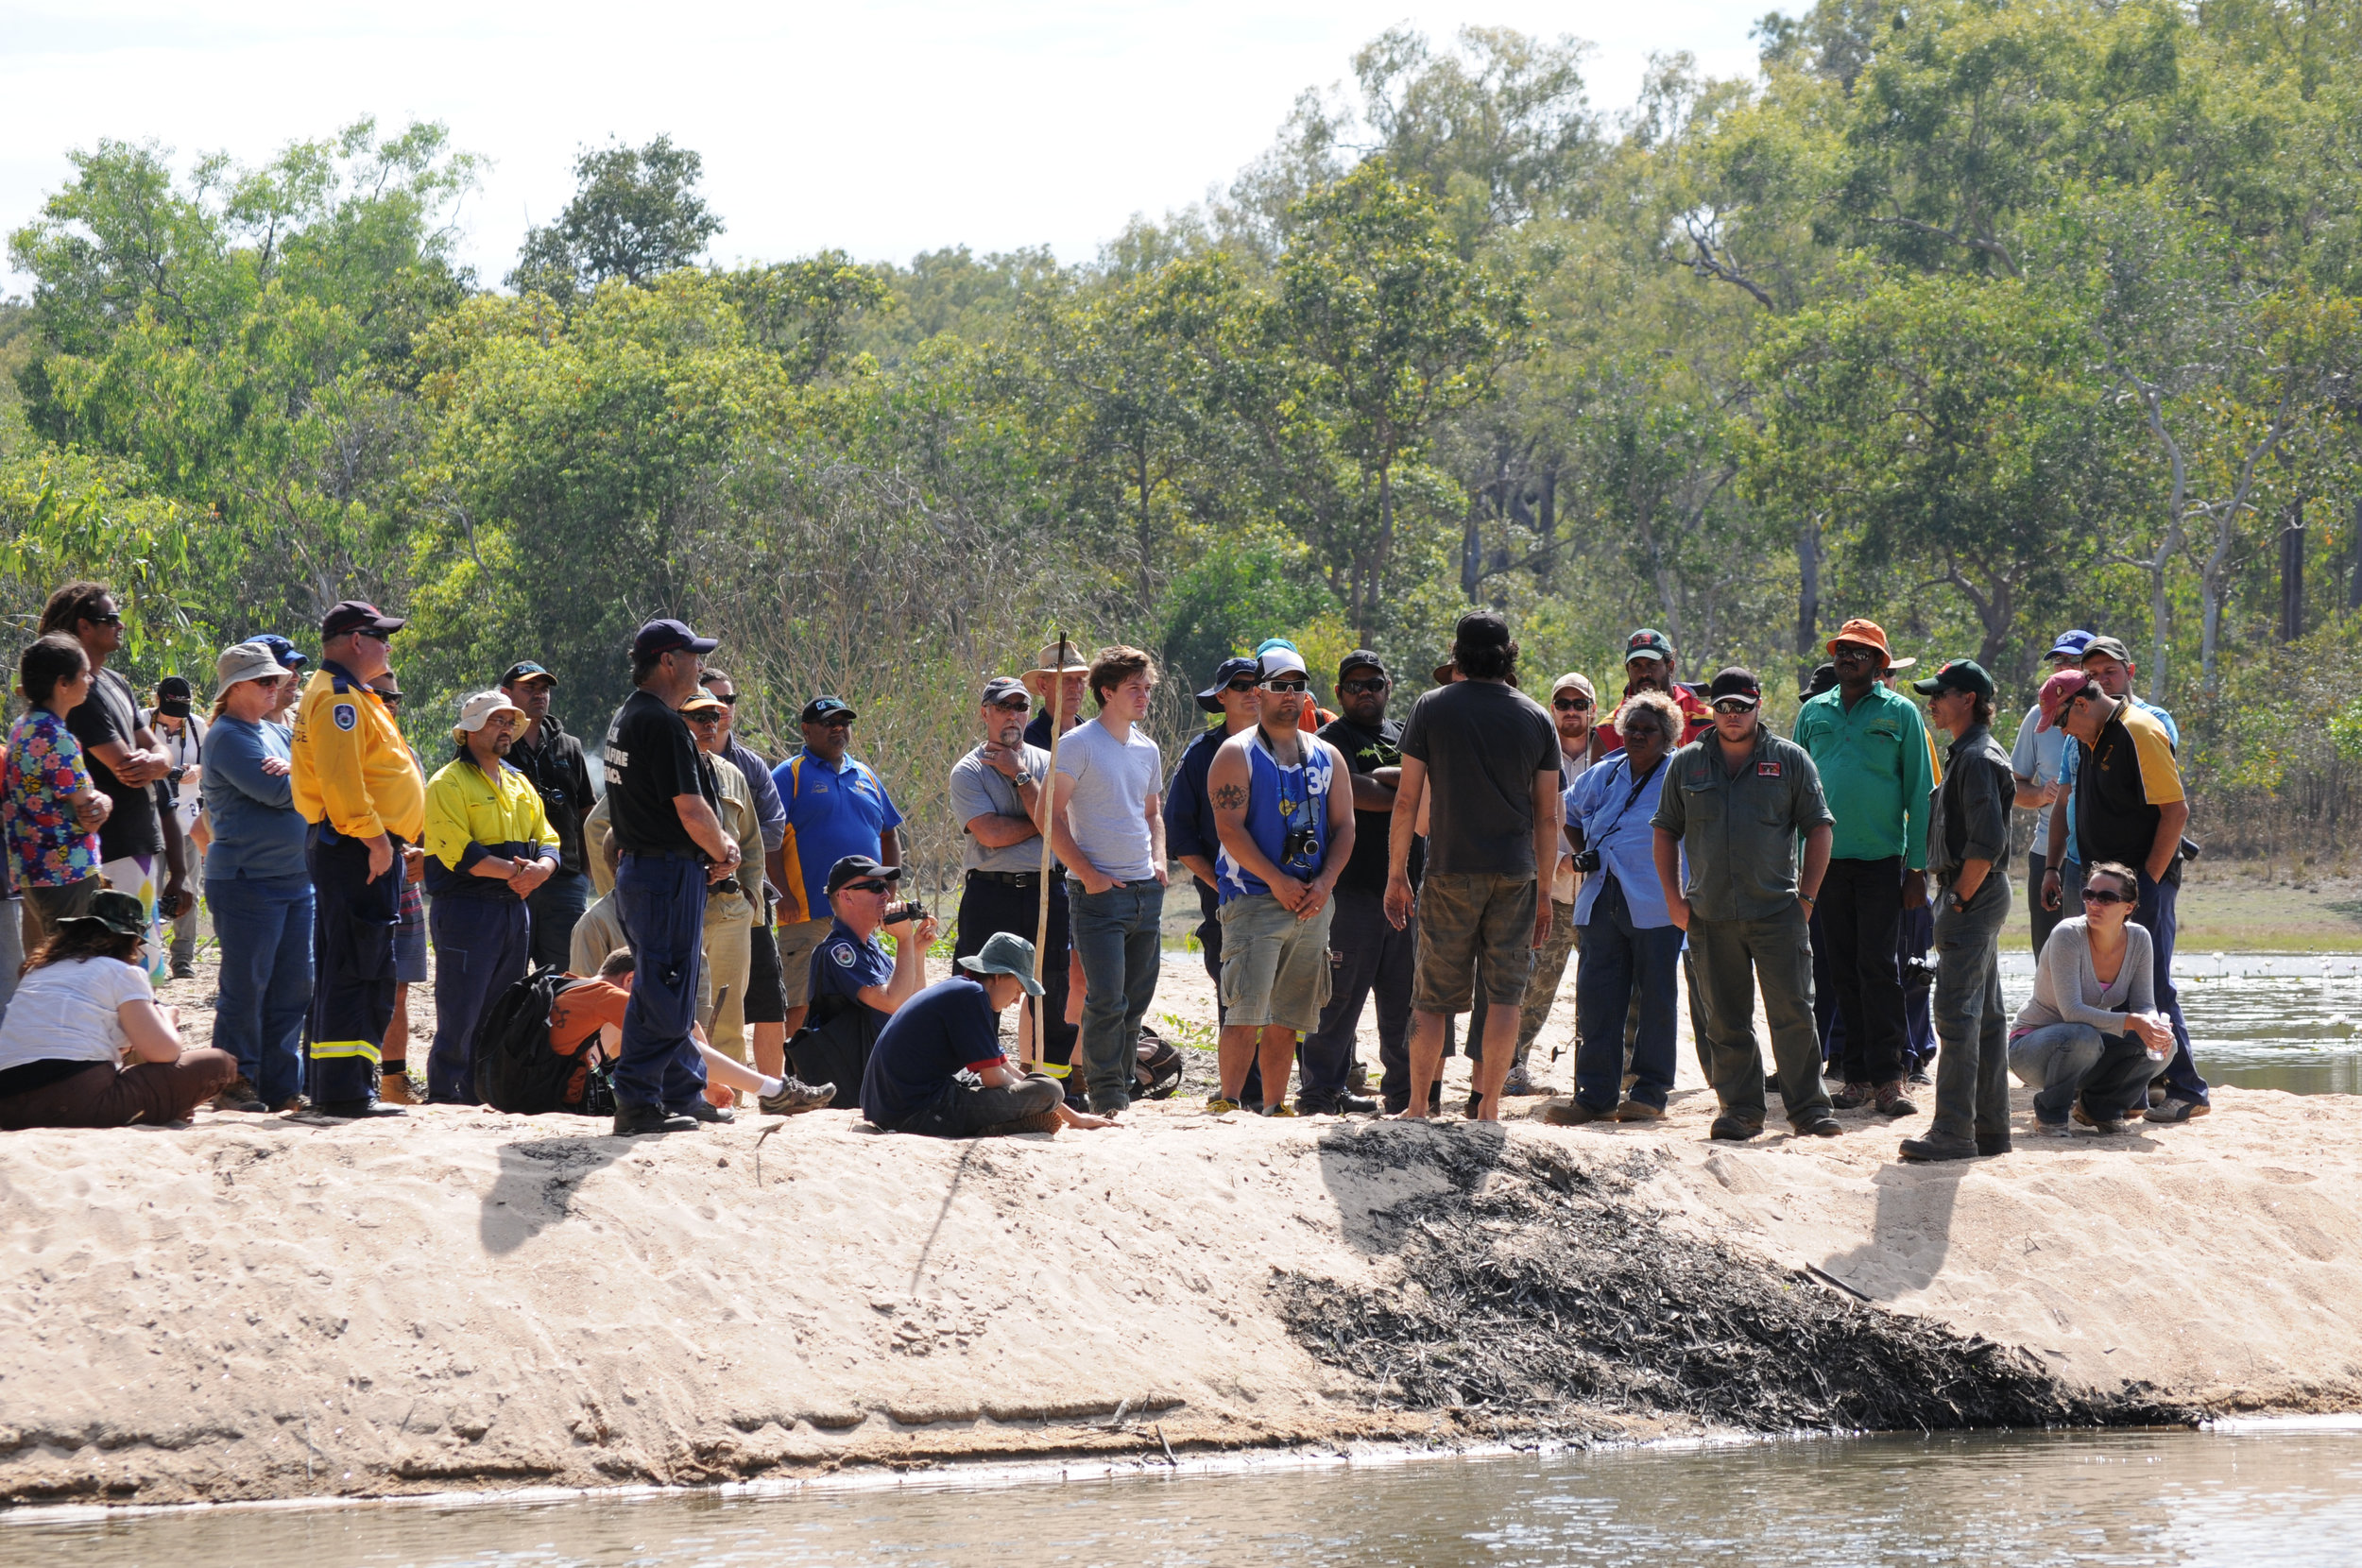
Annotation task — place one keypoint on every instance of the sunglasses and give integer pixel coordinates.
(109, 619)
(1734, 705)
(833, 723)
(374, 634)
(871, 886)
(1354, 688)
(1015, 705)
(708, 717)
(1288, 687)
(730, 701)
(1242, 685)
(1571, 705)
(2100, 895)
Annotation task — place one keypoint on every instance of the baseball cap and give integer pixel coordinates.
(1868, 633)
(1580, 682)
(1481, 629)
(1005, 953)
(524, 669)
(1956, 674)
(1734, 681)
(1647, 642)
(1225, 673)
(246, 661)
(852, 869)
(358, 615)
(667, 635)
(2061, 689)
(172, 696)
(1281, 660)
(824, 708)
(1000, 689)
(2111, 646)
(281, 650)
(1362, 658)
(1823, 679)
(119, 913)
(477, 710)
(2070, 645)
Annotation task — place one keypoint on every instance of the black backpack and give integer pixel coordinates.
(516, 1068)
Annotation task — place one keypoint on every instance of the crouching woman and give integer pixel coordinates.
(84, 1044)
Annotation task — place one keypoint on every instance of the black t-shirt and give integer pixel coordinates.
(1482, 742)
(944, 1030)
(108, 713)
(650, 759)
(1366, 751)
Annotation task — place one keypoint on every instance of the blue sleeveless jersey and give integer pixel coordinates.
(1287, 810)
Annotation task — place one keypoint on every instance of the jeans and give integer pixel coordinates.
(555, 905)
(2156, 911)
(2062, 1063)
(1620, 960)
(1919, 1020)
(482, 947)
(1365, 955)
(2045, 921)
(1730, 958)
(1116, 936)
(264, 927)
(1973, 1065)
(662, 901)
(962, 1112)
(11, 950)
(1861, 912)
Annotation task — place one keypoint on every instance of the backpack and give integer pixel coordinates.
(516, 1068)
(833, 1046)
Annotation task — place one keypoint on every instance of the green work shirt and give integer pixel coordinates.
(1874, 761)
(1739, 832)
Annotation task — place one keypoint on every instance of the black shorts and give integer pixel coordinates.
(766, 993)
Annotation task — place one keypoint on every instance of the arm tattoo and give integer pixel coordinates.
(1230, 797)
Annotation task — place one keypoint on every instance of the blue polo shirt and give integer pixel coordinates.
(832, 813)
(844, 963)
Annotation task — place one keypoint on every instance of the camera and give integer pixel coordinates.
(910, 910)
(1301, 846)
(1586, 861)
(1919, 972)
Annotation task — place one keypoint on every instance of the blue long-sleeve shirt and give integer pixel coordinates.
(1189, 814)
(258, 833)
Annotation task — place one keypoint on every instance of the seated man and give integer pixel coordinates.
(856, 986)
(914, 1081)
(589, 1013)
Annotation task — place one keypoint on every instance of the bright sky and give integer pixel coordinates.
(883, 127)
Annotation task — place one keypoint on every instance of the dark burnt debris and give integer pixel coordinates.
(1540, 1292)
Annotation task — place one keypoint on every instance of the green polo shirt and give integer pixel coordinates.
(1738, 831)
(1874, 765)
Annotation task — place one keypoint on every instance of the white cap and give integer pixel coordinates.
(246, 661)
(476, 710)
(1277, 660)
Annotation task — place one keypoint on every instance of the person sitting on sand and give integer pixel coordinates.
(83, 1007)
(2091, 1036)
(914, 1083)
(591, 1008)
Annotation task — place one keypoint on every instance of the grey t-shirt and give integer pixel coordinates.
(978, 791)
(1109, 812)
(2043, 759)
(1482, 742)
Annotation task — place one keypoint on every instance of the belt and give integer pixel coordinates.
(1009, 879)
(697, 855)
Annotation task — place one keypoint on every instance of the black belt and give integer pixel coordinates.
(697, 855)
(1010, 878)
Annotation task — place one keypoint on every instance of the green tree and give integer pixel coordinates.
(636, 214)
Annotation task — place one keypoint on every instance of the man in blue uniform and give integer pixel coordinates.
(835, 806)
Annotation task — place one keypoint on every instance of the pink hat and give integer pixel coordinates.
(2060, 689)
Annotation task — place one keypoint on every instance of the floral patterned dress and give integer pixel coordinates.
(43, 772)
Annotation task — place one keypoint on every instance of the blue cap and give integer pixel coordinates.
(281, 649)
(2070, 645)
(1227, 672)
(668, 635)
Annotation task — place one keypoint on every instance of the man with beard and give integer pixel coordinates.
(553, 763)
(1649, 666)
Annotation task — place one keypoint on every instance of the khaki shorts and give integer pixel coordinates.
(1473, 922)
(1275, 967)
(798, 942)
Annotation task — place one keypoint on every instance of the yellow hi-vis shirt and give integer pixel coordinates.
(352, 769)
(503, 817)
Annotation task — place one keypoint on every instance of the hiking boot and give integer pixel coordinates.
(1734, 1130)
(704, 1109)
(1517, 1082)
(794, 1098)
(292, 1103)
(2177, 1109)
(393, 1088)
(1937, 1147)
(631, 1120)
(1639, 1110)
(1040, 1121)
(1574, 1113)
(1920, 1080)
(1990, 1144)
(184, 971)
(2084, 1119)
(1852, 1097)
(1821, 1125)
(357, 1110)
(238, 1094)
(1891, 1101)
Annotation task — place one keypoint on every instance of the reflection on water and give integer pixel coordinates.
(2271, 1496)
(2287, 1021)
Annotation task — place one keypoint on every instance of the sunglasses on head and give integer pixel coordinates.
(1571, 705)
(873, 885)
(1354, 688)
(2102, 896)
(1288, 687)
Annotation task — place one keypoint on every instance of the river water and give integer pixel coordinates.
(2276, 1494)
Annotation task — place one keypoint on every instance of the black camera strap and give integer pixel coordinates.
(1621, 811)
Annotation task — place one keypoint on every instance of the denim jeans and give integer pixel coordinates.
(1619, 961)
(662, 901)
(2052, 1061)
(1973, 1064)
(555, 905)
(2156, 911)
(1116, 936)
(264, 927)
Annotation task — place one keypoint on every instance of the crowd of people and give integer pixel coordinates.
(700, 922)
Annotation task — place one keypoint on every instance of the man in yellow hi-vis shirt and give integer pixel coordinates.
(358, 786)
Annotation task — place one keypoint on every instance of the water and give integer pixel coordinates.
(2281, 1493)
(2287, 1021)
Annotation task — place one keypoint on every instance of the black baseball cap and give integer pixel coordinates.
(1734, 681)
(358, 615)
(172, 696)
(1225, 673)
(524, 669)
(1956, 674)
(1362, 658)
(1823, 679)
(824, 708)
(852, 869)
(1481, 629)
(668, 635)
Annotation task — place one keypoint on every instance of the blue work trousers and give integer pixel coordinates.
(1617, 962)
(264, 927)
(1117, 935)
(661, 899)
(352, 945)
(482, 947)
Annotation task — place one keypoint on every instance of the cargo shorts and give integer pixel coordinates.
(1472, 926)
(1275, 967)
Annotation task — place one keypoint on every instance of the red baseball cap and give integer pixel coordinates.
(2060, 689)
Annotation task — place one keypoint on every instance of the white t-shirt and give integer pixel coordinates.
(66, 1013)
(185, 750)
(1108, 811)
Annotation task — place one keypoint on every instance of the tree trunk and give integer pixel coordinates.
(1807, 598)
(1472, 549)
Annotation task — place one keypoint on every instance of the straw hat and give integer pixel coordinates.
(1055, 658)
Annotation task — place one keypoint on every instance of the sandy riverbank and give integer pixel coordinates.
(263, 1308)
